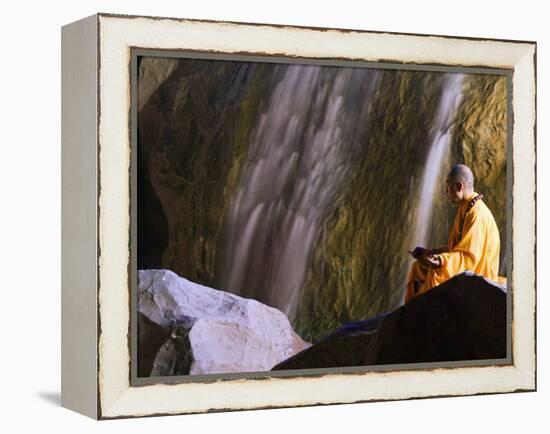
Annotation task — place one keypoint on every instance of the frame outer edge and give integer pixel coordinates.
(79, 217)
(528, 374)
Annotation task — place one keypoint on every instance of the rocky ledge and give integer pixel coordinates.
(186, 328)
(461, 319)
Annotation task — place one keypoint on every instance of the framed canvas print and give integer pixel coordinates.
(261, 216)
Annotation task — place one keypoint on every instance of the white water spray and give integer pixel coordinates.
(439, 152)
(298, 158)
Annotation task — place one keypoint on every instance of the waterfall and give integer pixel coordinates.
(438, 154)
(299, 155)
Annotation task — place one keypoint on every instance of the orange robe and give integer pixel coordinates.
(478, 250)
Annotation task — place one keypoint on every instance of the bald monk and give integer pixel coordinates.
(474, 241)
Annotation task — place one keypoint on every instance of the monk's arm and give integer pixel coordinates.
(439, 250)
(467, 253)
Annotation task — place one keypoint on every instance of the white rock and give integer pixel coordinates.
(212, 331)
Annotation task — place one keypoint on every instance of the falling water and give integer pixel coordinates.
(298, 159)
(439, 152)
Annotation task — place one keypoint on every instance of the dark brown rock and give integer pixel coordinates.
(461, 319)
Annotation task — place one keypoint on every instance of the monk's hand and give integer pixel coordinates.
(434, 260)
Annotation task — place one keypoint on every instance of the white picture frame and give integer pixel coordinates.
(96, 181)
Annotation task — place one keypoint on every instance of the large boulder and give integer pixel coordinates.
(187, 328)
(462, 319)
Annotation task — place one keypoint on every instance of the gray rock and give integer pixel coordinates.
(187, 328)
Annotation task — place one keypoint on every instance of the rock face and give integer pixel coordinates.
(481, 143)
(195, 125)
(186, 328)
(461, 319)
(350, 276)
(193, 131)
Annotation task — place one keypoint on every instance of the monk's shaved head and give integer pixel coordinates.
(462, 173)
(459, 183)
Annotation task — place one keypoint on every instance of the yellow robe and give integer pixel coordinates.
(478, 251)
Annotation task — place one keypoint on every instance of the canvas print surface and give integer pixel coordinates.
(298, 216)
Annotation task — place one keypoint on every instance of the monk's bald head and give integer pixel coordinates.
(462, 173)
(460, 183)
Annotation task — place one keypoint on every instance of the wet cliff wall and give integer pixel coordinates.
(192, 135)
(195, 124)
(481, 143)
(360, 265)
